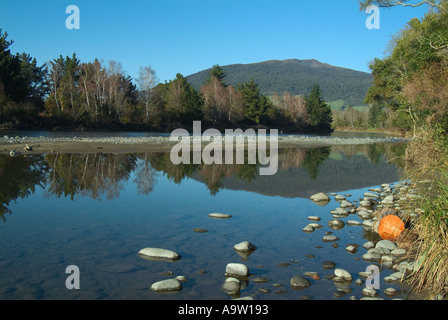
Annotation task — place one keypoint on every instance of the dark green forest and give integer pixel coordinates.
(67, 93)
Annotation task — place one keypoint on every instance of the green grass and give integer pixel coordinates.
(339, 104)
(428, 154)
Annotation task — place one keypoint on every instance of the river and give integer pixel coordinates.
(97, 211)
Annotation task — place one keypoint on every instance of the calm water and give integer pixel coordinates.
(97, 211)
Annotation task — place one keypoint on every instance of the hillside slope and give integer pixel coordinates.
(296, 77)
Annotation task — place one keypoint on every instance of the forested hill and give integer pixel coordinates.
(296, 77)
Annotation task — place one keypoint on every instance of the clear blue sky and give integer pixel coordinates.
(187, 36)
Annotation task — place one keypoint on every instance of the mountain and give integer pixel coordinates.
(296, 77)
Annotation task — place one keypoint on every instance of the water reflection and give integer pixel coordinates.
(301, 173)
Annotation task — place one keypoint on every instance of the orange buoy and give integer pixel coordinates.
(390, 227)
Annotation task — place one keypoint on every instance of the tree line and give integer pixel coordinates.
(410, 86)
(67, 92)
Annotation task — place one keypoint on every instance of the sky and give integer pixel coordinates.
(187, 36)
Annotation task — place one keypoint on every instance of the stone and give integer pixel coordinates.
(369, 245)
(328, 264)
(318, 197)
(220, 215)
(330, 238)
(371, 195)
(391, 292)
(237, 270)
(314, 218)
(354, 223)
(245, 246)
(299, 282)
(169, 285)
(364, 214)
(308, 228)
(383, 251)
(343, 274)
(396, 276)
(260, 280)
(231, 286)
(386, 244)
(340, 211)
(312, 274)
(372, 255)
(154, 254)
(336, 224)
(346, 204)
(351, 248)
(368, 223)
(339, 197)
(398, 252)
(181, 278)
(366, 203)
(369, 292)
(388, 200)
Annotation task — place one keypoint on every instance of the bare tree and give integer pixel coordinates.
(54, 71)
(215, 99)
(439, 5)
(147, 80)
(235, 106)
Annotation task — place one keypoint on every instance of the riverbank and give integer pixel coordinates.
(396, 259)
(42, 145)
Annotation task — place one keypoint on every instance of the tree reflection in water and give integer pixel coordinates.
(99, 174)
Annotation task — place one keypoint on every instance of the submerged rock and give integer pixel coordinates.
(369, 292)
(232, 286)
(336, 224)
(308, 228)
(343, 274)
(299, 282)
(220, 215)
(170, 285)
(318, 197)
(245, 246)
(328, 264)
(158, 254)
(330, 238)
(352, 248)
(386, 244)
(237, 270)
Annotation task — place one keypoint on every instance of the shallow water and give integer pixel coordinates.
(98, 211)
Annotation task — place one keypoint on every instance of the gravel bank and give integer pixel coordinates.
(146, 144)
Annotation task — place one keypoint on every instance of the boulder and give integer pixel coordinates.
(318, 197)
(158, 254)
(168, 285)
(299, 282)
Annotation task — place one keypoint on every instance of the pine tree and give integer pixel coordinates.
(256, 105)
(320, 116)
(218, 73)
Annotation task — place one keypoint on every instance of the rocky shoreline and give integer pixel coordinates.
(394, 255)
(378, 253)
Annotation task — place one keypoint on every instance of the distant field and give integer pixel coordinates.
(338, 104)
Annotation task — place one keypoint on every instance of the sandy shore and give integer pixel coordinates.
(42, 145)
